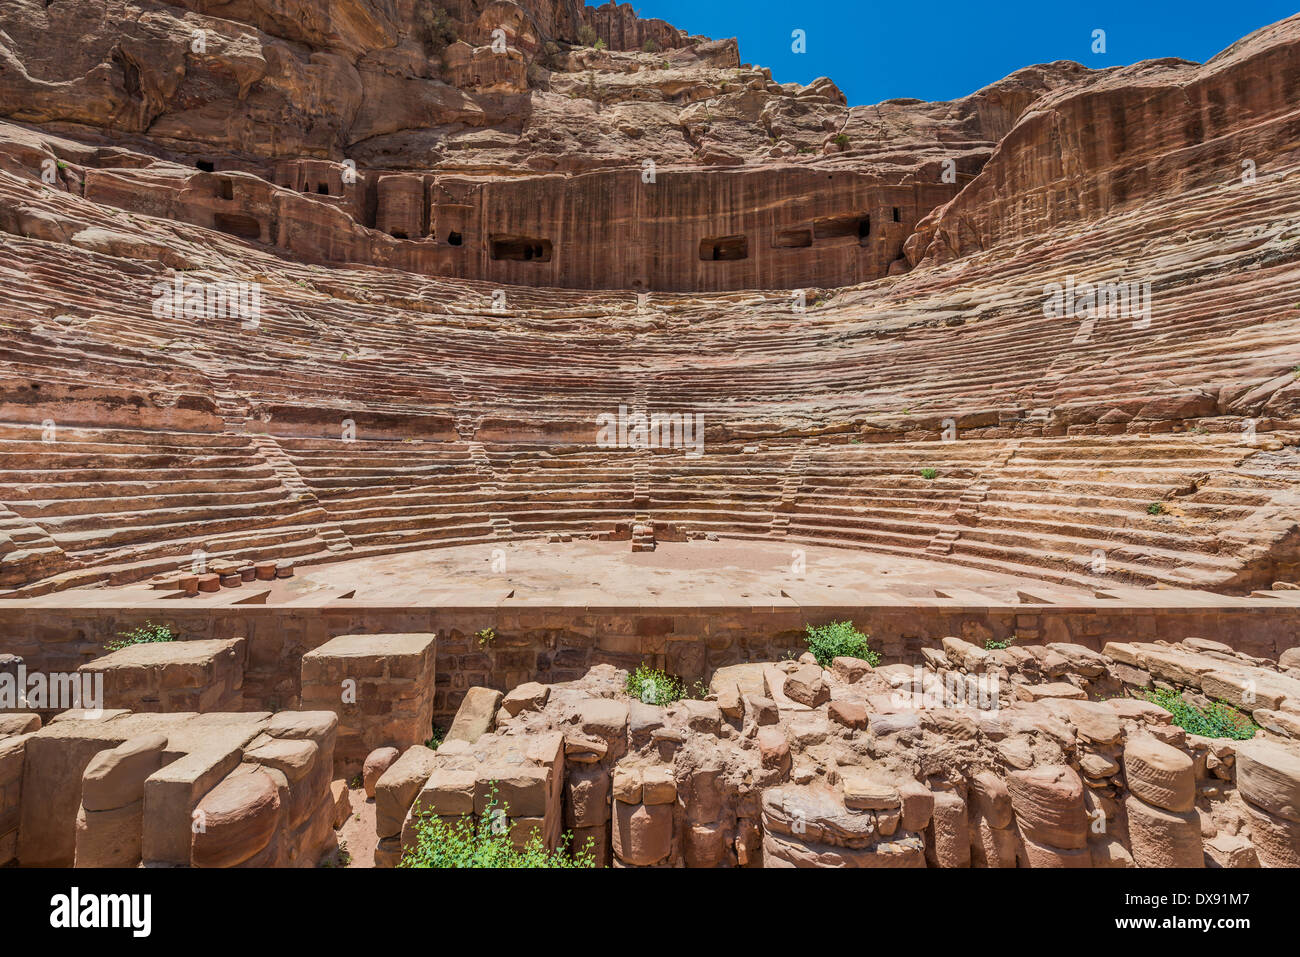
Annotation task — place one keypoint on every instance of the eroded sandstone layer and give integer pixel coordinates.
(279, 283)
(534, 143)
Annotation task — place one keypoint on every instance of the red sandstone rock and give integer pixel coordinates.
(1159, 774)
(1162, 838)
(1268, 776)
(774, 747)
(1048, 803)
(115, 778)
(238, 818)
(806, 686)
(851, 714)
(377, 762)
(642, 833)
(109, 838)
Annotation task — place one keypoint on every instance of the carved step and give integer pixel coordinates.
(942, 542)
(643, 535)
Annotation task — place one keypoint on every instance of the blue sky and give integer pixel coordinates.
(943, 49)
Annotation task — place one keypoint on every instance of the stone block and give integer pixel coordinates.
(398, 787)
(642, 833)
(1048, 803)
(170, 676)
(381, 687)
(475, 715)
(1268, 776)
(115, 777)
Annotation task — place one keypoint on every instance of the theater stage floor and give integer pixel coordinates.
(606, 573)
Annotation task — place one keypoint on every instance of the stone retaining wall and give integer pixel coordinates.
(552, 643)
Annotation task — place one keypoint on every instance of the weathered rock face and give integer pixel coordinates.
(776, 226)
(468, 92)
(1115, 139)
(935, 775)
(371, 166)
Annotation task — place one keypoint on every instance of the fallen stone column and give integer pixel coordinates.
(1163, 827)
(1268, 779)
(1050, 815)
(239, 821)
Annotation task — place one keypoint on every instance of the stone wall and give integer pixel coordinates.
(1045, 756)
(557, 643)
(380, 686)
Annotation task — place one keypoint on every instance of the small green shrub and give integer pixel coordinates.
(485, 636)
(653, 686)
(599, 45)
(1156, 508)
(434, 741)
(485, 843)
(436, 30)
(842, 140)
(839, 639)
(992, 645)
(340, 858)
(145, 634)
(650, 47)
(1219, 720)
(586, 36)
(929, 473)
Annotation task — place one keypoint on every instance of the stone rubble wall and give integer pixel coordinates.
(1040, 756)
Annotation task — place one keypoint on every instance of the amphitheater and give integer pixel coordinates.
(426, 369)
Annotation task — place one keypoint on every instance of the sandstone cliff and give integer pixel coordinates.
(407, 198)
